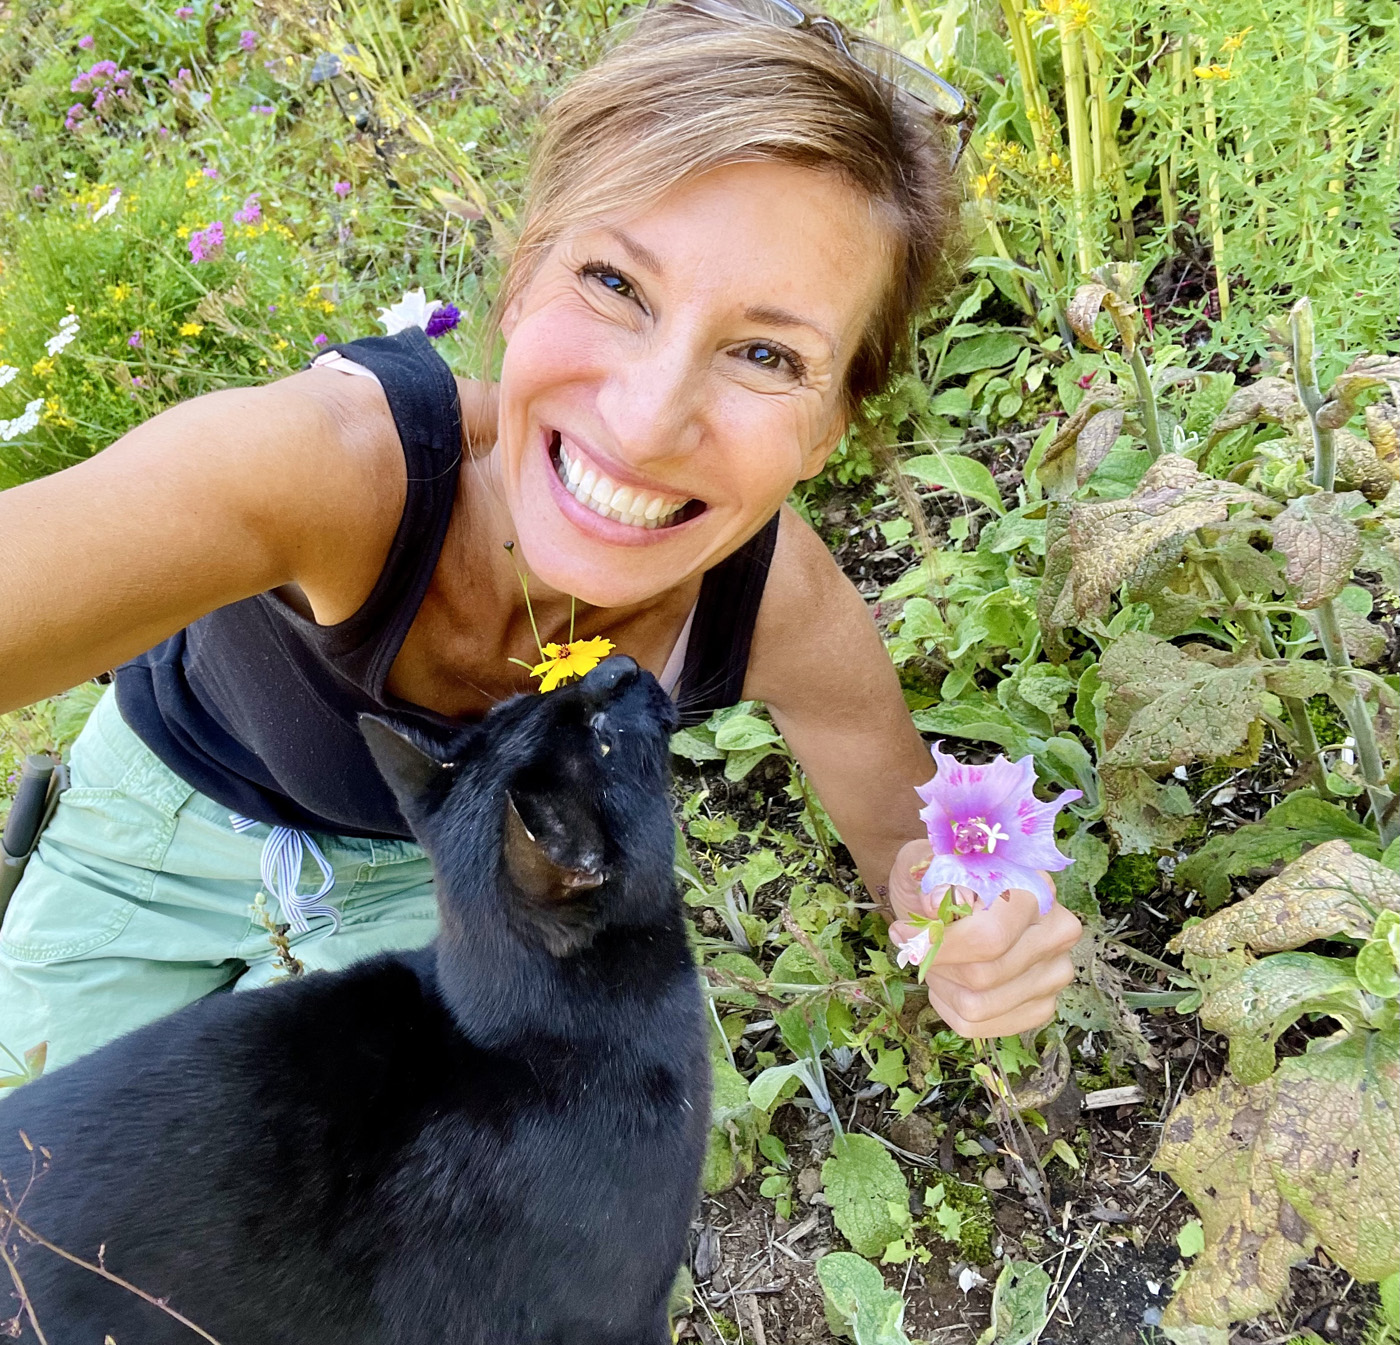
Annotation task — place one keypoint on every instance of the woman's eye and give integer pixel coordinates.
(610, 280)
(765, 355)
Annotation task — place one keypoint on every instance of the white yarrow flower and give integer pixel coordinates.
(413, 310)
(103, 211)
(8, 373)
(68, 328)
(913, 951)
(22, 424)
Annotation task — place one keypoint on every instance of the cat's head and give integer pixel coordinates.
(557, 806)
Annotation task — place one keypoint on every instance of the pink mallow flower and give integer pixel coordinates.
(988, 830)
(251, 211)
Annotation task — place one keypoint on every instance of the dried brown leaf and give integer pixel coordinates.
(1361, 375)
(1359, 467)
(1321, 545)
(1330, 890)
(1272, 400)
(1083, 312)
(1307, 1157)
(1383, 430)
(1097, 437)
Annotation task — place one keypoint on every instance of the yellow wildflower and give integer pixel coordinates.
(42, 368)
(1236, 40)
(119, 293)
(327, 306)
(183, 231)
(1213, 71)
(281, 343)
(193, 181)
(54, 414)
(191, 328)
(564, 661)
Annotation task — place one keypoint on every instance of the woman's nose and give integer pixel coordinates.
(651, 403)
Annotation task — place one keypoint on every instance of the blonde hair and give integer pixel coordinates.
(686, 92)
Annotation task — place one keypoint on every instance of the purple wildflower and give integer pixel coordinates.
(138, 382)
(988, 831)
(320, 339)
(272, 308)
(185, 12)
(211, 172)
(134, 340)
(74, 117)
(341, 189)
(106, 69)
(86, 41)
(207, 243)
(251, 211)
(248, 40)
(263, 109)
(442, 320)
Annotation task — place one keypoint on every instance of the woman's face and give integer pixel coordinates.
(681, 369)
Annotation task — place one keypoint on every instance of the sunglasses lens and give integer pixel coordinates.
(909, 76)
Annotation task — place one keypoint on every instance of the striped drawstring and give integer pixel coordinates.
(281, 873)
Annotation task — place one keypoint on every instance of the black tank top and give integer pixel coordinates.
(257, 706)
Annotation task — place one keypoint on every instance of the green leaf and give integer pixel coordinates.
(1377, 970)
(889, 1068)
(1019, 1305)
(696, 744)
(764, 1090)
(1075, 886)
(740, 763)
(1283, 833)
(735, 1125)
(867, 1193)
(1321, 545)
(1191, 1239)
(745, 732)
(1065, 1154)
(980, 721)
(955, 471)
(988, 351)
(858, 1306)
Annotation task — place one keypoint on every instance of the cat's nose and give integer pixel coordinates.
(607, 679)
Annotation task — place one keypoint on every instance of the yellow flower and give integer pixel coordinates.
(42, 368)
(1213, 71)
(183, 231)
(327, 306)
(119, 293)
(281, 343)
(1236, 40)
(193, 181)
(563, 661)
(54, 414)
(191, 328)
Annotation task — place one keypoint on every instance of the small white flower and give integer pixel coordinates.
(7, 374)
(103, 211)
(913, 951)
(969, 1279)
(21, 424)
(413, 310)
(68, 328)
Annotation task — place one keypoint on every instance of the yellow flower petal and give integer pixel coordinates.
(565, 661)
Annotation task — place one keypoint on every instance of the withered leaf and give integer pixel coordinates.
(1272, 400)
(1113, 539)
(1307, 1157)
(1059, 559)
(1364, 640)
(1166, 708)
(1095, 439)
(1083, 312)
(1321, 545)
(1360, 467)
(1383, 430)
(1257, 1006)
(1329, 890)
(1142, 815)
(1369, 371)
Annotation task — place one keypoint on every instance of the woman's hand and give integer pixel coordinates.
(999, 970)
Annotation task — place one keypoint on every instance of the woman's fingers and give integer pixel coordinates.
(1027, 1001)
(993, 948)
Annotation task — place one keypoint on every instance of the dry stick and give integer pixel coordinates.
(23, 1294)
(1060, 1297)
(105, 1274)
(1009, 1121)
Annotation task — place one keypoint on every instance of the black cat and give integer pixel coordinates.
(494, 1141)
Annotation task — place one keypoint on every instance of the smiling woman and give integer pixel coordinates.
(731, 224)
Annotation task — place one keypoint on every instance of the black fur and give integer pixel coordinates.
(495, 1141)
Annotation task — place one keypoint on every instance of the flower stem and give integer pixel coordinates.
(1300, 323)
(1150, 426)
(1353, 708)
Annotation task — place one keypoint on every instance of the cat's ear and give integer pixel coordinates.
(541, 876)
(410, 769)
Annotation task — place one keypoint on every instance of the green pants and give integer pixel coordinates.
(141, 898)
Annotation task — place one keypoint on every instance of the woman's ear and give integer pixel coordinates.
(815, 458)
(510, 317)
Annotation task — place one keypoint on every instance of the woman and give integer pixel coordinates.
(731, 225)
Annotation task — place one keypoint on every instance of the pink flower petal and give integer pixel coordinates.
(974, 791)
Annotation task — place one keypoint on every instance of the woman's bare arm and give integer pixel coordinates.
(300, 481)
(820, 665)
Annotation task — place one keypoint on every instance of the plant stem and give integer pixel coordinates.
(1080, 149)
(1300, 323)
(1353, 707)
(1258, 627)
(1150, 426)
(1211, 181)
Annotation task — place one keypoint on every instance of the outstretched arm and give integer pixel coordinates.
(821, 667)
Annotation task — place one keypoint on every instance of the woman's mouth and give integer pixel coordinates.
(638, 507)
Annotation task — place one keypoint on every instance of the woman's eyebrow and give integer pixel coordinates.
(780, 317)
(639, 252)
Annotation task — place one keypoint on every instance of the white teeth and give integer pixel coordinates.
(625, 504)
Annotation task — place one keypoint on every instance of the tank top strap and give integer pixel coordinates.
(422, 397)
(717, 656)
